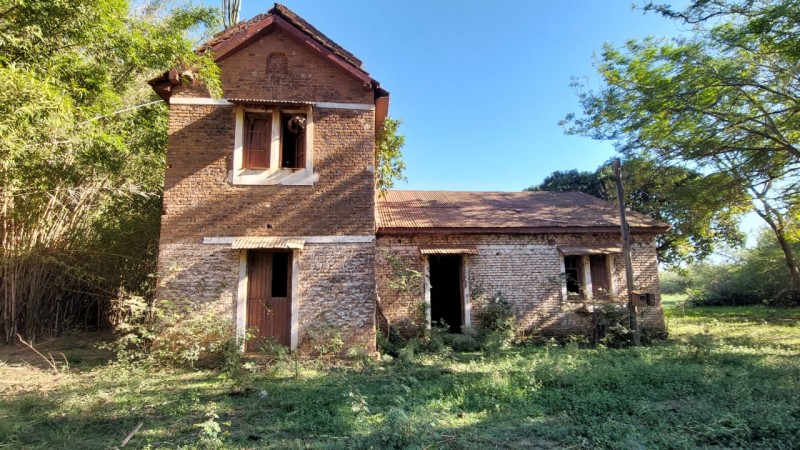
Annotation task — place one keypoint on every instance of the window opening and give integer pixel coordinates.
(293, 141)
(280, 274)
(572, 269)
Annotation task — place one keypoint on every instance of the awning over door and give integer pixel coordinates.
(448, 250)
(268, 242)
(593, 249)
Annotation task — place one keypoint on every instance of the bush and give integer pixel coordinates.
(174, 335)
(497, 314)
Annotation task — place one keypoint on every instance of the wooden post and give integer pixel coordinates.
(633, 321)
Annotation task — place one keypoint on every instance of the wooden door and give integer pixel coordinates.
(269, 310)
(599, 273)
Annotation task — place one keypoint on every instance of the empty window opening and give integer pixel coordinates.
(280, 274)
(257, 140)
(446, 291)
(572, 269)
(293, 141)
(598, 267)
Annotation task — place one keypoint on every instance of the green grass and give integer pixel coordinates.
(727, 378)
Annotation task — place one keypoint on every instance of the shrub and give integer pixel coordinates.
(497, 314)
(174, 335)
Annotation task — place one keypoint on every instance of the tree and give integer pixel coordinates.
(82, 141)
(388, 155)
(573, 180)
(724, 102)
(230, 12)
(670, 194)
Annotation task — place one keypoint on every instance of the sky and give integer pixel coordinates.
(481, 86)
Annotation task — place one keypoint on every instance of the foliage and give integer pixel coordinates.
(739, 388)
(82, 141)
(325, 340)
(675, 195)
(573, 180)
(722, 101)
(209, 435)
(496, 314)
(753, 276)
(175, 335)
(388, 155)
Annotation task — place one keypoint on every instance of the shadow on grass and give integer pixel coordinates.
(669, 395)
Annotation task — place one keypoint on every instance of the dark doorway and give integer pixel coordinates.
(268, 297)
(446, 304)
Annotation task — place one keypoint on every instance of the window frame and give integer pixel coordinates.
(274, 174)
(585, 277)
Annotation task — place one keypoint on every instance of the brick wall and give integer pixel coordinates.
(200, 201)
(337, 284)
(337, 288)
(205, 275)
(525, 269)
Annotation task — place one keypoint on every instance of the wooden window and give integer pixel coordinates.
(293, 141)
(573, 269)
(598, 268)
(257, 140)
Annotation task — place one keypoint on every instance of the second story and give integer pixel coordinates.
(289, 149)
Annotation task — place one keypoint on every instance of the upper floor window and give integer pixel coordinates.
(273, 146)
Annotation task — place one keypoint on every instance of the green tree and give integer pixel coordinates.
(388, 155)
(82, 152)
(573, 180)
(724, 102)
(670, 194)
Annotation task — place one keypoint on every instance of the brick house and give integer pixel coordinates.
(271, 217)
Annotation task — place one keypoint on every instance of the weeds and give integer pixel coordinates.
(734, 386)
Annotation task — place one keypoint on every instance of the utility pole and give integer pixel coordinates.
(633, 321)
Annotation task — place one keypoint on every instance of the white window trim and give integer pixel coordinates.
(274, 174)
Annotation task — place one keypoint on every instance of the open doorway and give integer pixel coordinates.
(446, 291)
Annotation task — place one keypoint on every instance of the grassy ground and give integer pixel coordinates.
(728, 377)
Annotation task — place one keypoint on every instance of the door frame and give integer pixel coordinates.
(241, 297)
(466, 301)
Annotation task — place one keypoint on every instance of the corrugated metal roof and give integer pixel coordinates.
(589, 249)
(267, 242)
(258, 101)
(448, 250)
(502, 210)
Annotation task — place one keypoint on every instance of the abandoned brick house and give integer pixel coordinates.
(271, 216)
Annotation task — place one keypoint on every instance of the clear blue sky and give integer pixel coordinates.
(480, 86)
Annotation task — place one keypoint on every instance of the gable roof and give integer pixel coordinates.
(239, 36)
(503, 212)
(235, 33)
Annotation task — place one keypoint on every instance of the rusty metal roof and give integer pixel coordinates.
(448, 250)
(267, 242)
(502, 212)
(258, 101)
(590, 249)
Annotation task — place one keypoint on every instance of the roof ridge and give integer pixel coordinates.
(294, 19)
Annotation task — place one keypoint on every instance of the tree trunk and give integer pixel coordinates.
(774, 219)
